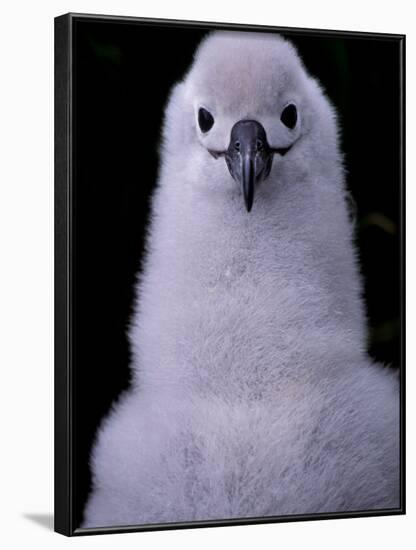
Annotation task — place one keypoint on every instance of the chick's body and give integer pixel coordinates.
(252, 392)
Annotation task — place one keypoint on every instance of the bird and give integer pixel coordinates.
(252, 392)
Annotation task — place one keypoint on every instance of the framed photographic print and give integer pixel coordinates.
(229, 287)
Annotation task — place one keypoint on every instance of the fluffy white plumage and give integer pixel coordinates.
(252, 394)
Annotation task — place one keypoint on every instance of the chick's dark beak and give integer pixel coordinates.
(249, 157)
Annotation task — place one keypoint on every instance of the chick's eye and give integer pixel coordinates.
(205, 120)
(289, 116)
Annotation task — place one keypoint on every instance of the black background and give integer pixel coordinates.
(122, 75)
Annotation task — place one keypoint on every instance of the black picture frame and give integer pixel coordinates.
(65, 226)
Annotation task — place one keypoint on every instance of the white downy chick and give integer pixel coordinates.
(252, 391)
